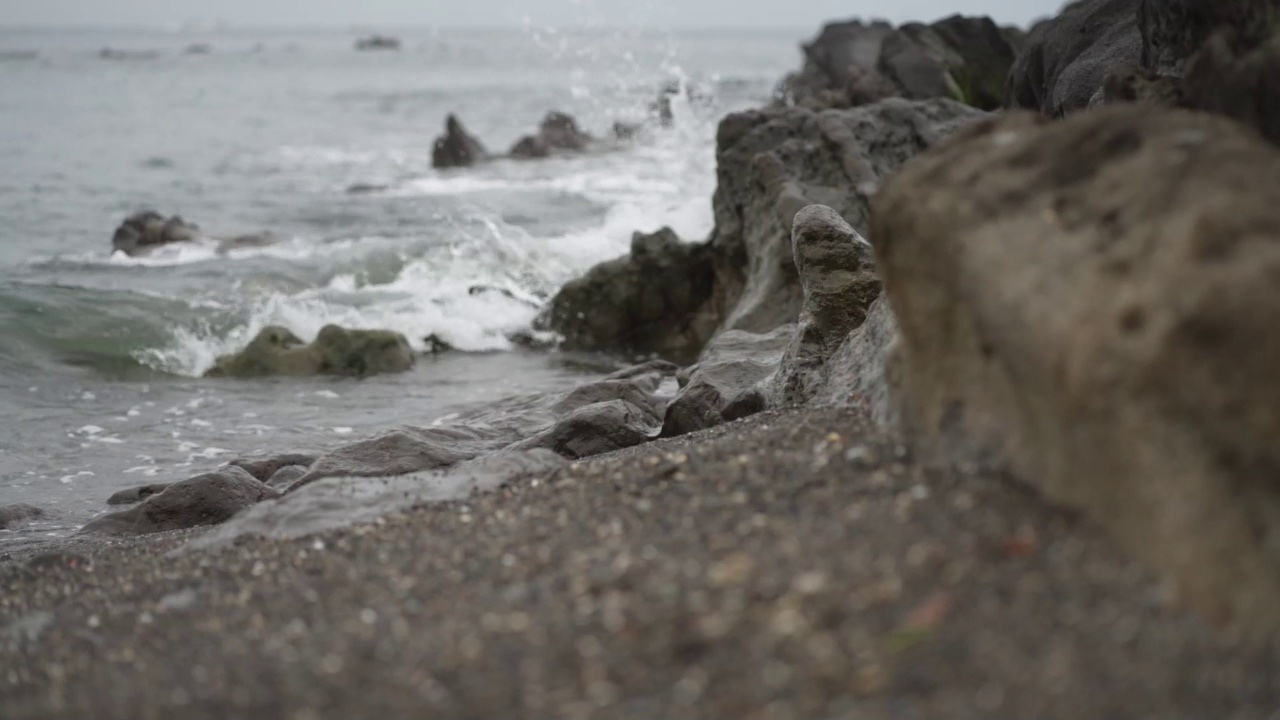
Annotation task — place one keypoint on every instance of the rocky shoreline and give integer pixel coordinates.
(971, 414)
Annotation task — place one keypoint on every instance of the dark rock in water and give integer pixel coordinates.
(116, 54)
(366, 188)
(963, 58)
(647, 302)
(263, 469)
(202, 500)
(532, 339)
(1067, 59)
(148, 230)
(378, 42)
(727, 383)
(457, 148)
(435, 345)
(773, 163)
(286, 476)
(838, 275)
(596, 429)
(475, 290)
(1091, 305)
(198, 49)
(335, 351)
(557, 133)
(11, 515)
(135, 495)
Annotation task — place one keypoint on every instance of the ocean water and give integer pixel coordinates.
(101, 355)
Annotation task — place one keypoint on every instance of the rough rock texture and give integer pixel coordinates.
(838, 275)
(773, 163)
(852, 63)
(135, 495)
(456, 148)
(863, 371)
(726, 384)
(651, 301)
(1066, 61)
(1092, 305)
(335, 351)
(147, 230)
(557, 133)
(202, 500)
(12, 515)
(596, 429)
(400, 452)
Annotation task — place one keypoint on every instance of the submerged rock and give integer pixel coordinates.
(1067, 59)
(202, 500)
(457, 147)
(12, 515)
(147, 230)
(727, 383)
(557, 133)
(1091, 306)
(135, 495)
(646, 302)
(838, 275)
(335, 351)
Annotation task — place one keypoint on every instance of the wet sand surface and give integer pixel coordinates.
(793, 565)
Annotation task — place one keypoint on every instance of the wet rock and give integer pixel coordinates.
(202, 500)
(596, 429)
(366, 188)
(13, 515)
(198, 49)
(457, 148)
(647, 302)
(402, 451)
(1067, 59)
(286, 476)
(378, 42)
(335, 351)
(1091, 306)
(638, 390)
(435, 345)
(557, 133)
(135, 495)
(263, 469)
(649, 369)
(147, 230)
(727, 383)
(838, 275)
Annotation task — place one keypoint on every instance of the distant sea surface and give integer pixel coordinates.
(238, 131)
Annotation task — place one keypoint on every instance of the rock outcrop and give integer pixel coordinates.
(457, 147)
(557, 133)
(147, 230)
(207, 499)
(1067, 60)
(852, 63)
(13, 515)
(651, 301)
(727, 383)
(838, 276)
(1091, 305)
(335, 351)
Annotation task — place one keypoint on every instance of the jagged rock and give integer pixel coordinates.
(1091, 306)
(647, 302)
(1065, 64)
(457, 147)
(147, 230)
(11, 515)
(335, 351)
(263, 469)
(557, 133)
(963, 58)
(727, 383)
(863, 371)
(135, 495)
(202, 500)
(838, 275)
(773, 163)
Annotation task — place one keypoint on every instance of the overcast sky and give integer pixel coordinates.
(647, 13)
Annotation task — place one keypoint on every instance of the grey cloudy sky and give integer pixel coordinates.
(648, 13)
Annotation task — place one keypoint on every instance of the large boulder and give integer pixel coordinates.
(1092, 306)
(335, 351)
(147, 230)
(651, 301)
(207, 499)
(457, 147)
(838, 275)
(727, 383)
(557, 133)
(1067, 60)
